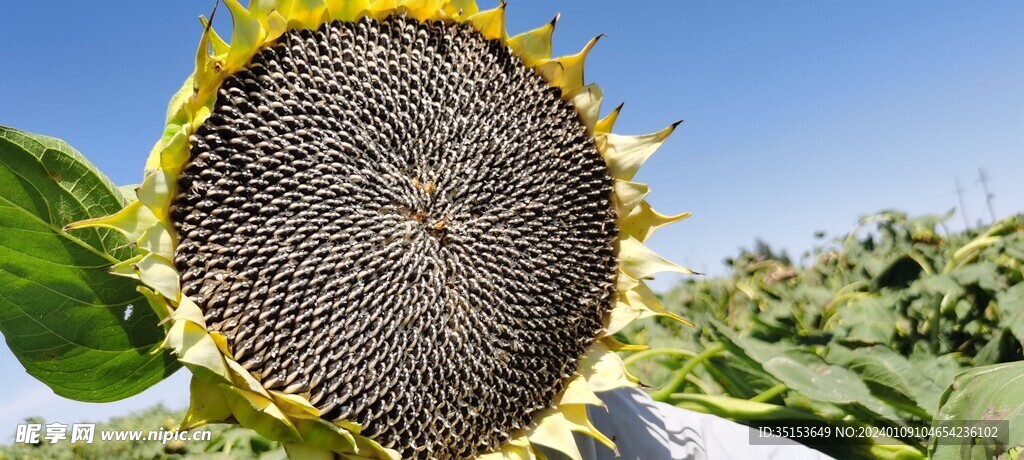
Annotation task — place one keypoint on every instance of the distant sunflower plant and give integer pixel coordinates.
(387, 229)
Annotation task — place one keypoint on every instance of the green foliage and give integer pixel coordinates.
(62, 314)
(984, 393)
(876, 327)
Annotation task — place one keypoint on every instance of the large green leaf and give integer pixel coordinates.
(888, 372)
(86, 334)
(807, 373)
(941, 369)
(985, 393)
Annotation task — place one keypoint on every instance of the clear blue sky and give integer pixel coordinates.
(800, 114)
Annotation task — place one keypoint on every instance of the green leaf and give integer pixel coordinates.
(886, 371)
(86, 334)
(899, 274)
(982, 274)
(984, 393)
(941, 369)
(1002, 347)
(1010, 305)
(807, 373)
(867, 320)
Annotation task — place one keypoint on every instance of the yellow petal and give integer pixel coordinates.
(217, 44)
(261, 415)
(244, 380)
(132, 221)
(615, 345)
(625, 154)
(604, 370)
(518, 448)
(380, 9)
(156, 192)
(260, 8)
(644, 298)
(350, 426)
(625, 282)
(491, 23)
(222, 344)
(423, 10)
(294, 404)
(173, 145)
(272, 15)
(187, 310)
(607, 123)
(157, 302)
(320, 433)
(158, 240)
(635, 308)
(579, 392)
(643, 221)
(628, 195)
(587, 101)
(639, 262)
(621, 316)
(555, 432)
(246, 35)
(174, 154)
(368, 449)
(197, 351)
(307, 14)
(567, 72)
(578, 420)
(277, 24)
(347, 10)
(534, 46)
(461, 8)
(204, 72)
(159, 273)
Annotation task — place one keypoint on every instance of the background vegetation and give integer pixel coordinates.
(876, 328)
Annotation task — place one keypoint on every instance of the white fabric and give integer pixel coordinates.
(644, 429)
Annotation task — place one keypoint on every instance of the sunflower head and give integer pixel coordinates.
(383, 229)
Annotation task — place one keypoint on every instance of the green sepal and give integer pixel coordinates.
(256, 413)
(206, 405)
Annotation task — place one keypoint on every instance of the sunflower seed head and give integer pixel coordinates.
(402, 222)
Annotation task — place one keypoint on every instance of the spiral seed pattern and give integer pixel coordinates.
(403, 223)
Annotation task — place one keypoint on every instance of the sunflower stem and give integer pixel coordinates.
(680, 377)
(634, 358)
(770, 393)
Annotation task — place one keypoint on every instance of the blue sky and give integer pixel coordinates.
(800, 115)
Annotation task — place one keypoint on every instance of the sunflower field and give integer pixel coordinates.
(896, 323)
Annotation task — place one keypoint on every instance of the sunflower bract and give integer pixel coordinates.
(403, 223)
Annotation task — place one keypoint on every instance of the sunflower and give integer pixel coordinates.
(387, 229)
